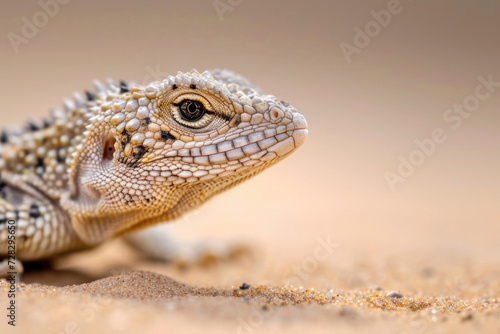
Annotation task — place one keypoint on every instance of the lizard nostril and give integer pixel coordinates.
(276, 115)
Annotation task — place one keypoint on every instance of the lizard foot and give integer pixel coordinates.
(160, 244)
(209, 252)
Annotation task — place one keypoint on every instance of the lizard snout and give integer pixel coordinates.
(300, 132)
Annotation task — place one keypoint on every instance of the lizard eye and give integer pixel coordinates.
(191, 110)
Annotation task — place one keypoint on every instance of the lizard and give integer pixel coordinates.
(124, 157)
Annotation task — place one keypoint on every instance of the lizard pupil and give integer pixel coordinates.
(191, 110)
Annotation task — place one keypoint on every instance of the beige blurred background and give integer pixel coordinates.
(362, 115)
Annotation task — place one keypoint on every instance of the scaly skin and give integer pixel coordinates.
(129, 156)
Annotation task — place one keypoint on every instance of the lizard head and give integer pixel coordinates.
(152, 153)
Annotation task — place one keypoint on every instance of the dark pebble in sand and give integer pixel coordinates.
(245, 286)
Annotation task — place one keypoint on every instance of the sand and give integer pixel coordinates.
(427, 296)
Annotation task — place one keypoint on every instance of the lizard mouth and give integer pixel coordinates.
(279, 149)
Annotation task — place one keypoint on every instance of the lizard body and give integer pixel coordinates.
(126, 157)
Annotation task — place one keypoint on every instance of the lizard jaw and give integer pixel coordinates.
(299, 137)
(300, 133)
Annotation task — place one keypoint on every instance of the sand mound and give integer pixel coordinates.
(149, 302)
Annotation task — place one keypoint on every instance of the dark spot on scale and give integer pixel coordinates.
(3, 221)
(174, 87)
(34, 211)
(124, 87)
(167, 136)
(138, 152)
(192, 86)
(47, 123)
(235, 121)
(33, 126)
(3, 192)
(16, 213)
(90, 96)
(59, 158)
(4, 138)
(125, 139)
(147, 120)
(40, 163)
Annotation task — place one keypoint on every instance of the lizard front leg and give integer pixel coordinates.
(31, 226)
